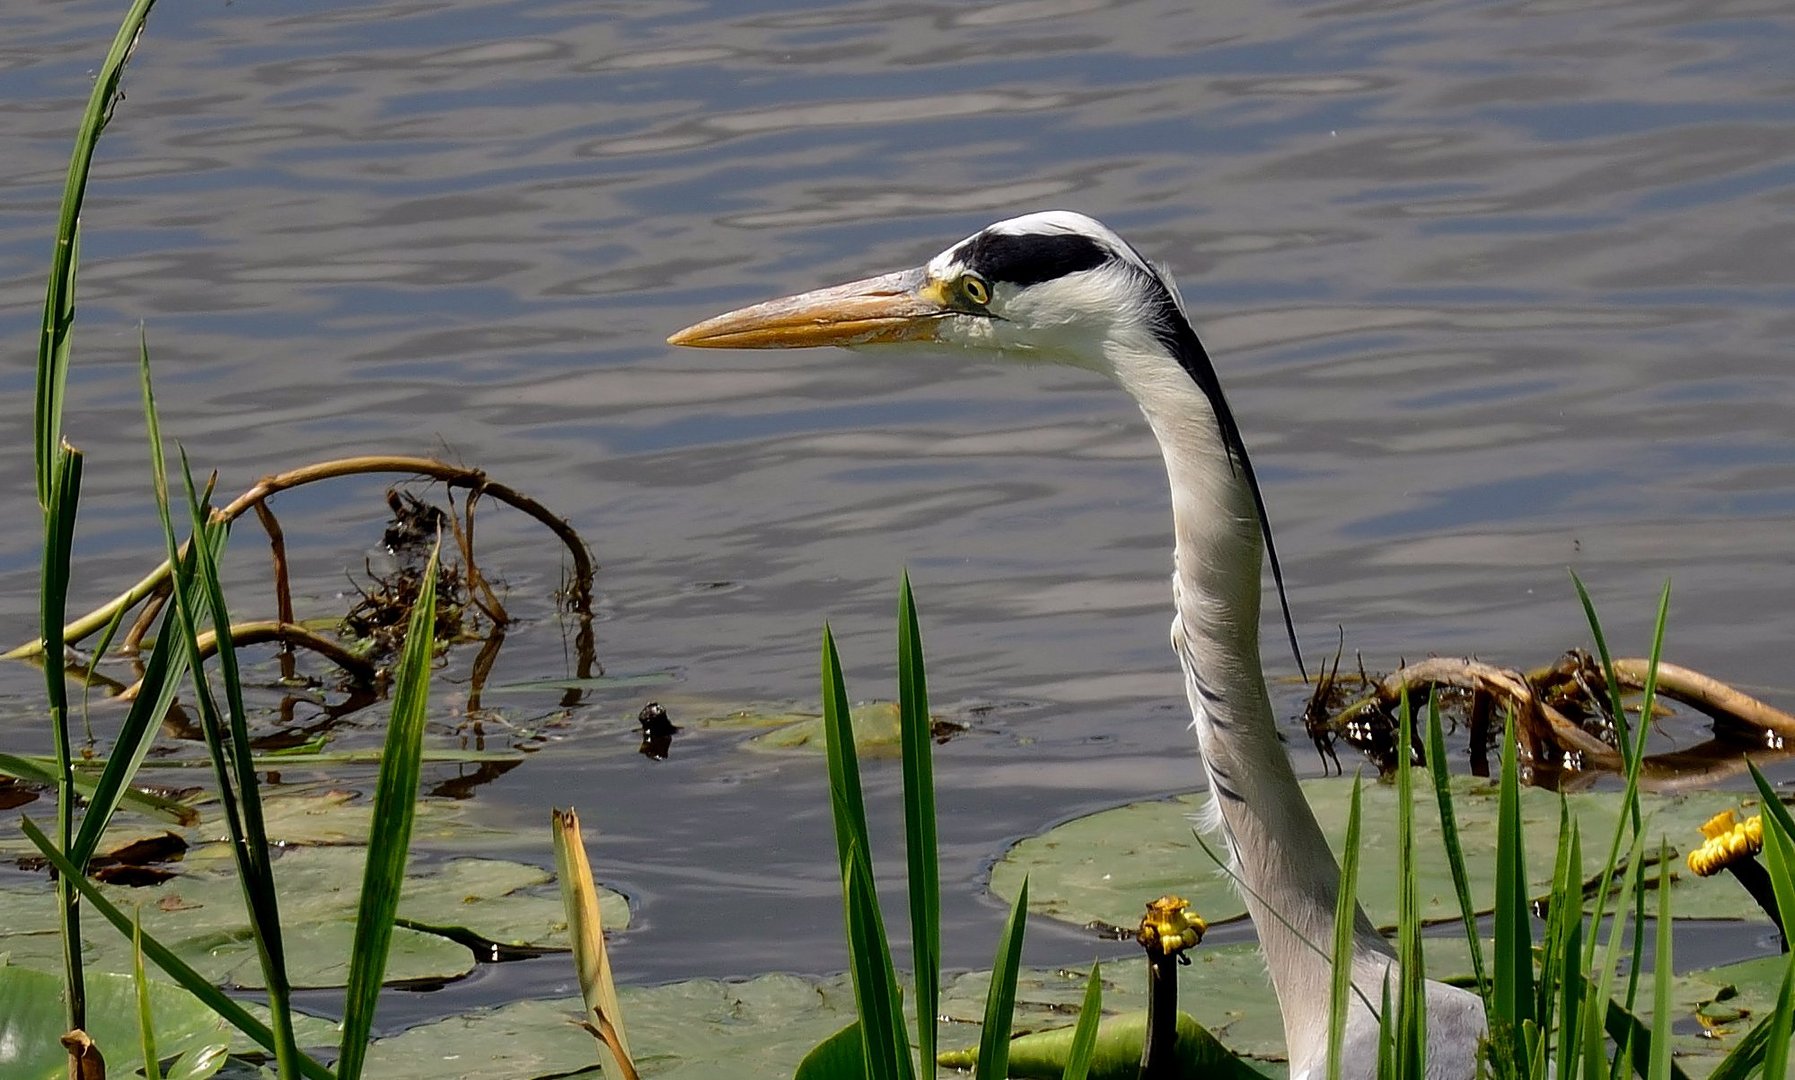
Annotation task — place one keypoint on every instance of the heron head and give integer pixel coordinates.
(1056, 286)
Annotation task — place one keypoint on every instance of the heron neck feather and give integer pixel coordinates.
(1289, 878)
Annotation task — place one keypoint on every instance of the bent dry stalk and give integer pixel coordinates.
(455, 476)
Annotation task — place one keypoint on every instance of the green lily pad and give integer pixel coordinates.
(765, 1026)
(320, 817)
(1726, 1001)
(32, 1019)
(200, 916)
(875, 730)
(684, 1031)
(1106, 866)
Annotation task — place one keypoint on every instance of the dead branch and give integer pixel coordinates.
(453, 476)
(289, 634)
(1543, 726)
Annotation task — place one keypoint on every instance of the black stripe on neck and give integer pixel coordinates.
(1174, 332)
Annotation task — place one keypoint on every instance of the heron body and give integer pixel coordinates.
(1060, 287)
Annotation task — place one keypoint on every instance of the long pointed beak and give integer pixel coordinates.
(904, 306)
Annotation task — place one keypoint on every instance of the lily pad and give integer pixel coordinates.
(1106, 866)
(875, 729)
(32, 1019)
(684, 1031)
(318, 817)
(200, 916)
(1725, 1001)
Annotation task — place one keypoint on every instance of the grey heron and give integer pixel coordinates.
(1060, 287)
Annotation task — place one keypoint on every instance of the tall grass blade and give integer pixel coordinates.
(920, 841)
(1000, 998)
(845, 798)
(1773, 809)
(1564, 919)
(1779, 859)
(579, 895)
(1345, 910)
(1512, 978)
(389, 830)
(43, 771)
(146, 1020)
(1084, 1035)
(1776, 1053)
(161, 681)
(1455, 853)
(227, 739)
(173, 966)
(1601, 978)
(886, 1048)
(1411, 1000)
(59, 539)
(1659, 1067)
(1616, 704)
(59, 295)
(883, 1039)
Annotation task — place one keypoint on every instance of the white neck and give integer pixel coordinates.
(1288, 874)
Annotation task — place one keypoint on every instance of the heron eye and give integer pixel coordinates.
(974, 289)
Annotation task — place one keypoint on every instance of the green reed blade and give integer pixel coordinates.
(1455, 853)
(173, 966)
(1566, 935)
(59, 539)
(844, 767)
(883, 1042)
(1773, 809)
(43, 771)
(920, 840)
(146, 1021)
(1597, 1001)
(196, 591)
(1659, 1067)
(1779, 863)
(160, 683)
(59, 295)
(1615, 704)
(389, 830)
(1411, 999)
(1560, 915)
(1000, 997)
(1084, 1035)
(1512, 978)
(1345, 910)
(1776, 1053)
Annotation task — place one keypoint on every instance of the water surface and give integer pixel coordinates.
(1496, 289)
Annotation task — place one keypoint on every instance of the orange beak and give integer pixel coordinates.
(905, 306)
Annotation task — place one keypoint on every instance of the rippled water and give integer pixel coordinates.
(1496, 289)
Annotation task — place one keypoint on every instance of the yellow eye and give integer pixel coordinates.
(974, 289)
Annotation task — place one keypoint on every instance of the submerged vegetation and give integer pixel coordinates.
(1557, 895)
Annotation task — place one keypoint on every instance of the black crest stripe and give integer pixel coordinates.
(1024, 259)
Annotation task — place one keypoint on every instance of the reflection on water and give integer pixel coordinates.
(1496, 289)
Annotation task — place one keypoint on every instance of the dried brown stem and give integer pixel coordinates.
(1710, 696)
(145, 619)
(478, 589)
(283, 590)
(1541, 725)
(289, 634)
(452, 475)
